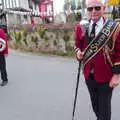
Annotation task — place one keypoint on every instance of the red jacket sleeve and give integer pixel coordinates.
(78, 38)
(3, 36)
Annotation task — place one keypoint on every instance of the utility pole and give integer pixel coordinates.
(3, 10)
(3, 18)
(3, 5)
(83, 8)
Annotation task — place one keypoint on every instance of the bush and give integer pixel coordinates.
(18, 37)
(78, 16)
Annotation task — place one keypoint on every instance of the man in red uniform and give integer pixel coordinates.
(3, 53)
(102, 70)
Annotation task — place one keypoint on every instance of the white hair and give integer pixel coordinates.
(103, 2)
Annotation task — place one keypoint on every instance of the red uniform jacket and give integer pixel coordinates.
(103, 67)
(3, 36)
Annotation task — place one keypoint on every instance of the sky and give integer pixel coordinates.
(58, 5)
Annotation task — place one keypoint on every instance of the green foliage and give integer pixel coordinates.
(32, 38)
(68, 47)
(78, 16)
(46, 38)
(18, 37)
(41, 31)
(71, 18)
(35, 40)
(55, 42)
(66, 38)
(54, 34)
(10, 35)
(25, 33)
(42, 34)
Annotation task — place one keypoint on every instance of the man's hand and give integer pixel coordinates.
(115, 81)
(80, 55)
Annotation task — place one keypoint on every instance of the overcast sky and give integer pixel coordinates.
(58, 5)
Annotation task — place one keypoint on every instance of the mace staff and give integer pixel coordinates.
(76, 90)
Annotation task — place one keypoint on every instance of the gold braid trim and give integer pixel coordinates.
(106, 54)
(107, 50)
(114, 36)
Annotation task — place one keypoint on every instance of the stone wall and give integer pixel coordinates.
(54, 39)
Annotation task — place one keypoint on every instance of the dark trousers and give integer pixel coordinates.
(3, 68)
(100, 94)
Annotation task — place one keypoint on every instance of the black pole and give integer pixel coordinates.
(76, 90)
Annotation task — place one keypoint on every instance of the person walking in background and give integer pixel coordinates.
(3, 53)
(32, 21)
(99, 50)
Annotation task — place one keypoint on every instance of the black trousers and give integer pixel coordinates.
(100, 94)
(3, 68)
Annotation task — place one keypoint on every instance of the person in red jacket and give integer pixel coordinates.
(32, 21)
(102, 70)
(3, 53)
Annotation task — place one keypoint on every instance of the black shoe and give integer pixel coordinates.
(4, 83)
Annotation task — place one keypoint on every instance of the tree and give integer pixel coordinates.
(66, 5)
(83, 7)
(73, 4)
(78, 4)
(78, 16)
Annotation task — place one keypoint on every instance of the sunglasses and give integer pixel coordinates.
(97, 8)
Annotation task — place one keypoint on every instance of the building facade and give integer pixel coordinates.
(26, 11)
(18, 11)
(47, 11)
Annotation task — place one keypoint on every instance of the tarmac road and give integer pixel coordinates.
(42, 88)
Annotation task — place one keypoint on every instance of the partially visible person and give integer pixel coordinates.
(32, 21)
(99, 50)
(3, 54)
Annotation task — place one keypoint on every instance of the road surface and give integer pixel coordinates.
(42, 88)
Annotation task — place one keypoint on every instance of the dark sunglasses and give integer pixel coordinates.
(97, 8)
